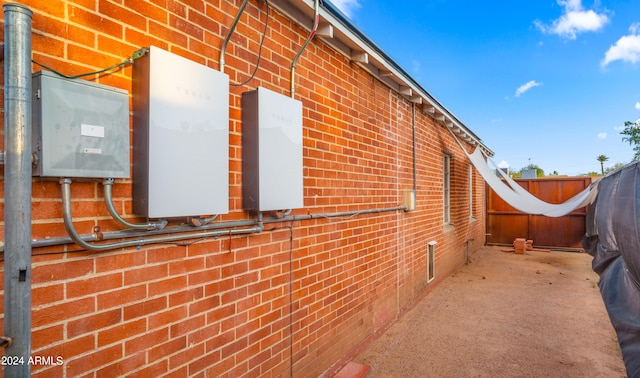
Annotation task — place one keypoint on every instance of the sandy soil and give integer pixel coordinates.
(504, 315)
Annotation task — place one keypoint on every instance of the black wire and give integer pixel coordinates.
(48, 253)
(180, 244)
(291, 300)
(118, 66)
(290, 228)
(264, 34)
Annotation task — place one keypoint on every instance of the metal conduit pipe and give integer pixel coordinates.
(413, 128)
(68, 224)
(108, 199)
(115, 235)
(17, 189)
(199, 221)
(127, 234)
(223, 49)
(294, 63)
(293, 218)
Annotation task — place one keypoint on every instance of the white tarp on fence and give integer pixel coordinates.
(520, 198)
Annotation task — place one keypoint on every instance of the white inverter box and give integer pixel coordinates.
(181, 137)
(272, 176)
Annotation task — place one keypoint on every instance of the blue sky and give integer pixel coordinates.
(546, 82)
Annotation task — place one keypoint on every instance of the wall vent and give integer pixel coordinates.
(431, 261)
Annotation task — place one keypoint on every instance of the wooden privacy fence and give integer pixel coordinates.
(505, 224)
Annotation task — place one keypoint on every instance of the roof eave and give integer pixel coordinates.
(342, 35)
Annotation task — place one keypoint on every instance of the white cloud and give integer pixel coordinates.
(503, 164)
(638, 105)
(574, 20)
(346, 6)
(602, 135)
(627, 48)
(415, 66)
(525, 87)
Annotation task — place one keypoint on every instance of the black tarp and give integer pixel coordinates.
(613, 239)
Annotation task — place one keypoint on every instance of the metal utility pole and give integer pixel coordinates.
(17, 190)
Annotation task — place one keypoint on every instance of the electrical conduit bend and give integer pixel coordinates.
(108, 199)
(68, 224)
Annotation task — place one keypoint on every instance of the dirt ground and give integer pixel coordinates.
(504, 315)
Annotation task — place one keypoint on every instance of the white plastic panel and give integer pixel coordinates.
(272, 151)
(181, 137)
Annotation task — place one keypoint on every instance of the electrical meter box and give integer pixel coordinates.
(272, 176)
(80, 128)
(180, 137)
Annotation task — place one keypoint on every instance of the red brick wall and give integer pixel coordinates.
(229, 305)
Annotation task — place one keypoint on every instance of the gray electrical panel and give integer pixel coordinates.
(181, 137)
(271, 151)
(80, 128)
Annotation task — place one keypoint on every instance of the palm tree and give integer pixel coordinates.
(602, 159)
